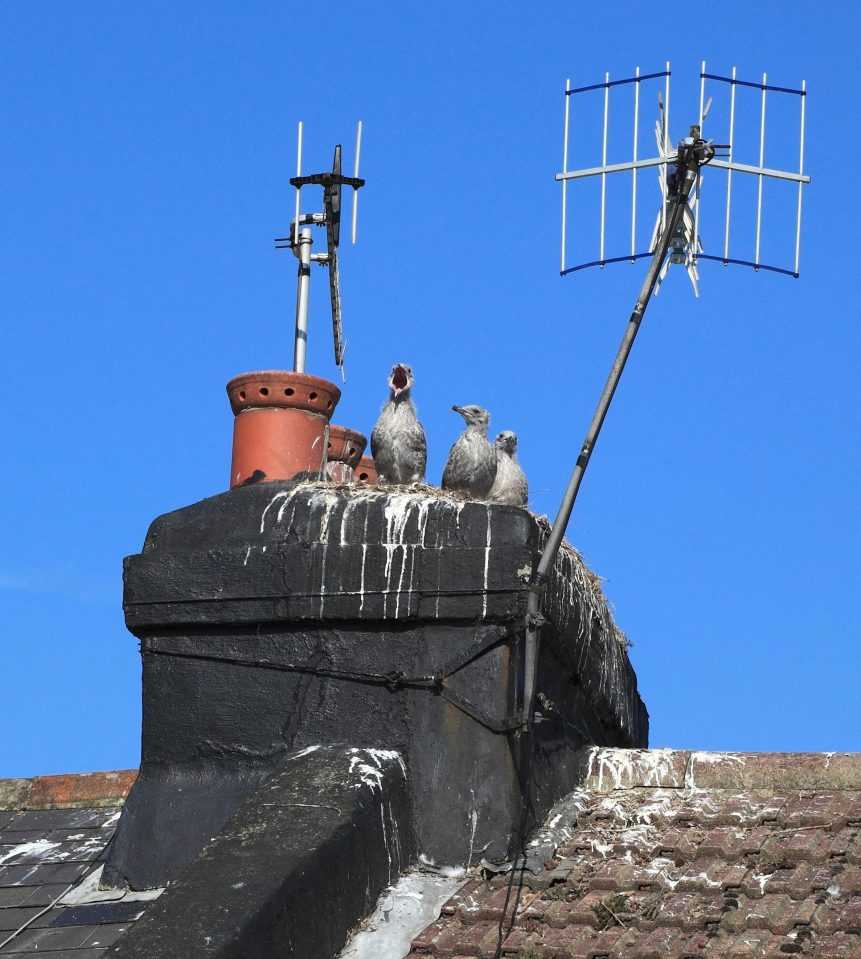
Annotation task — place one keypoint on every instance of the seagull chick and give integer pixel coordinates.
(510, 487)
(471, 464)
(398, 442)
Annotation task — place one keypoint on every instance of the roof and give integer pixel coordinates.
(53, 832)
(678, 854)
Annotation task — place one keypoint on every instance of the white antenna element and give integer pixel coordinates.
(565, 167)
(298, 188)
(686, 245)
(604, 161)
(703, 113)
(356, 177)
(300, 241)
(729, 158)
(634, 171)
(665, 150)
(800, 174)
(761, 165)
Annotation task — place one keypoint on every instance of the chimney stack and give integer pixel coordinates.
(284, 615)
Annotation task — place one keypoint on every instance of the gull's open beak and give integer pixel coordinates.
(399, 380)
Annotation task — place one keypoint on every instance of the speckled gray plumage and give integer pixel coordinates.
(471, 464)
(510, 487)
(398, 442)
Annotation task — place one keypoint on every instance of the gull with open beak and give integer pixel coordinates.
(398, 442)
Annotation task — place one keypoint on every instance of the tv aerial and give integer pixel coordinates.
(686, 245)
(675, 239)
(300, 241)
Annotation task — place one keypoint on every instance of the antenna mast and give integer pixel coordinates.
(300, 241)
(675, 234)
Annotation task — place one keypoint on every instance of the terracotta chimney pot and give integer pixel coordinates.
(345, 450)
(280, 430)
(366, 471)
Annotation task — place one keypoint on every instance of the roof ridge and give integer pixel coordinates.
(67, 791)
(610, 768)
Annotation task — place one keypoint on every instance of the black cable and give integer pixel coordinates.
(526, 805)
(393, 679)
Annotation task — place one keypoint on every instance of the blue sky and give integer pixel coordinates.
(145, 155)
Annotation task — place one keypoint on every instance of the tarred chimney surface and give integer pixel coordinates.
(284, 616)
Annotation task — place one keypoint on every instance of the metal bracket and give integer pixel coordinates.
(474, 711)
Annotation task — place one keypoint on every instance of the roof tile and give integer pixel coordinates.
(817, 809)
(463, 900)
(478, 939)
(741, 809)
(711, 874)
(840, 945)
(37, 875)
(15, 917)
(550, 942)
(847, 882)
(796, 845)
(691, 910)
(853, 848)
(588, 911)
(597, 944)
(839, 916)
(492, 907)
(47, 939)
(427, 940)
(653, 944)
(745, 945)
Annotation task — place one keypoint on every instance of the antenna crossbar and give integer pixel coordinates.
(755, 86)
(629, 257)
(756, 266)
(612, 168)
(326, 180)
(617, 83)
(760, 171)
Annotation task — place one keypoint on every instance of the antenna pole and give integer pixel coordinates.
(688, 175)
(302, 290)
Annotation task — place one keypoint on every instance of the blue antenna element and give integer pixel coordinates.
(686, 245)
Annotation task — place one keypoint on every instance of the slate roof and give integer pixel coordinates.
(681, 854)
(53, 832)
